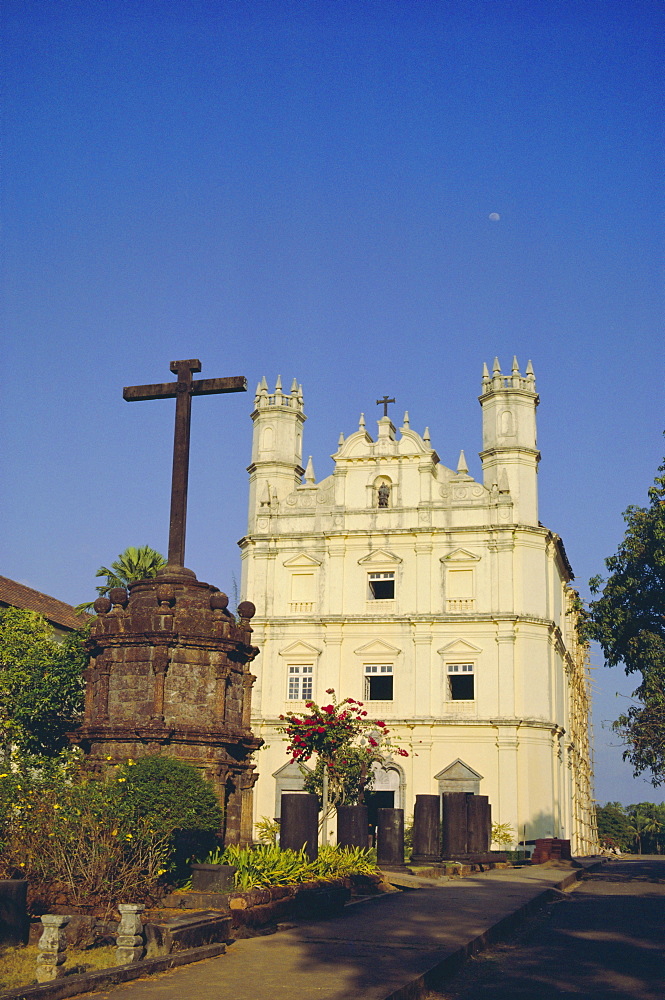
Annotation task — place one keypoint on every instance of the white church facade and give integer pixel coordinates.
(440, 602)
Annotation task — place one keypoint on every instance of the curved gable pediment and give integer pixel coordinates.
(359, 443)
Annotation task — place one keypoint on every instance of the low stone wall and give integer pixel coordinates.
(255, 909)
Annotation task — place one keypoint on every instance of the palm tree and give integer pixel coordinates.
(639, 825)
(131, 565)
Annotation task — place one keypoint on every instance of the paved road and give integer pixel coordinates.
(604, 939)
(372, 950)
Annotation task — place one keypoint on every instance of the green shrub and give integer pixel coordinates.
(77, 841)
(177, 800)
(266, 865)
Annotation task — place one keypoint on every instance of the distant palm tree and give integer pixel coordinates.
(131, 565)
(639, 825)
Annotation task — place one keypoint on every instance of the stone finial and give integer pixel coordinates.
(504, 485)
(129, 939)
(278, 384)
(462, 467)
(246, 611)
(426, 437)
(102, 606)
(165, 594)
(310, 478)
(496, 368)
(405, 422)
(52, 948)
(361, 422)
(530, 377)
(497, 379)
(219, 601)
(340, 440)
(515, 373)
(486, 378)
(119, 597)
(294, 387)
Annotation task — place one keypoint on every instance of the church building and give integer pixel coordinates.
(440, 602)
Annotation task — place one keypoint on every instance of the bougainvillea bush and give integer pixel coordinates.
(344, 741)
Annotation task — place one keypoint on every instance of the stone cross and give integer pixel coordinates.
(182, 391)
(384, 403)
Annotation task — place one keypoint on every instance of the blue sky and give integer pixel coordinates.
(304, 189)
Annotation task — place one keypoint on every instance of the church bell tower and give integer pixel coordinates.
(276, 467)
(510, 453)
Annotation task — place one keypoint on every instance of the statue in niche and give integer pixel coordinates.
(383, 495)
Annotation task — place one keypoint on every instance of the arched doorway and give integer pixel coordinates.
(387, 792)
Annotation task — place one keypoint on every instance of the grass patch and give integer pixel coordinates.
(18, 966)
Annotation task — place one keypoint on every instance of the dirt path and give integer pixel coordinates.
(606, 938)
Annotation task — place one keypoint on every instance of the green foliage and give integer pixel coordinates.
(503, 834)
(266, 865)
(350, 778)
(75, 836)
(613, 826)
(638, 828)
(131, 565)
(408, 838)
(41, 682)
(268, 830)
(628, 620)
(179, 803)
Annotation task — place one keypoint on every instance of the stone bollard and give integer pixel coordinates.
(390, 837)
(426, 829)
(455, 823)
(299, 825)
(129, 940)
(52, 948)
(352, 826)
(477, 827)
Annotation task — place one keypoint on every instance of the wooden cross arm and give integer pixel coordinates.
(198, 387)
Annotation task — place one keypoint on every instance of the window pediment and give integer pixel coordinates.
(377, 648)
(460, 646)
(300, 649)
(301, 559)
(380, 557)
(460, 555)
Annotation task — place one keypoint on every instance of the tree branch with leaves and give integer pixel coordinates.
(627, 618)
(345, 741)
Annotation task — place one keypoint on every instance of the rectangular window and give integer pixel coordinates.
(301, 678)
(381, 586)
(379, 682)
(461, 685)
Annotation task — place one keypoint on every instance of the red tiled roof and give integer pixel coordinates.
(17, 595)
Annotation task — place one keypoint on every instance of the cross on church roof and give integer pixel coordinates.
(384, 402)
(182, 391)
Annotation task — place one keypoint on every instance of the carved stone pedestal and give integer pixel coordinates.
(169, 674)
(52, 948)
